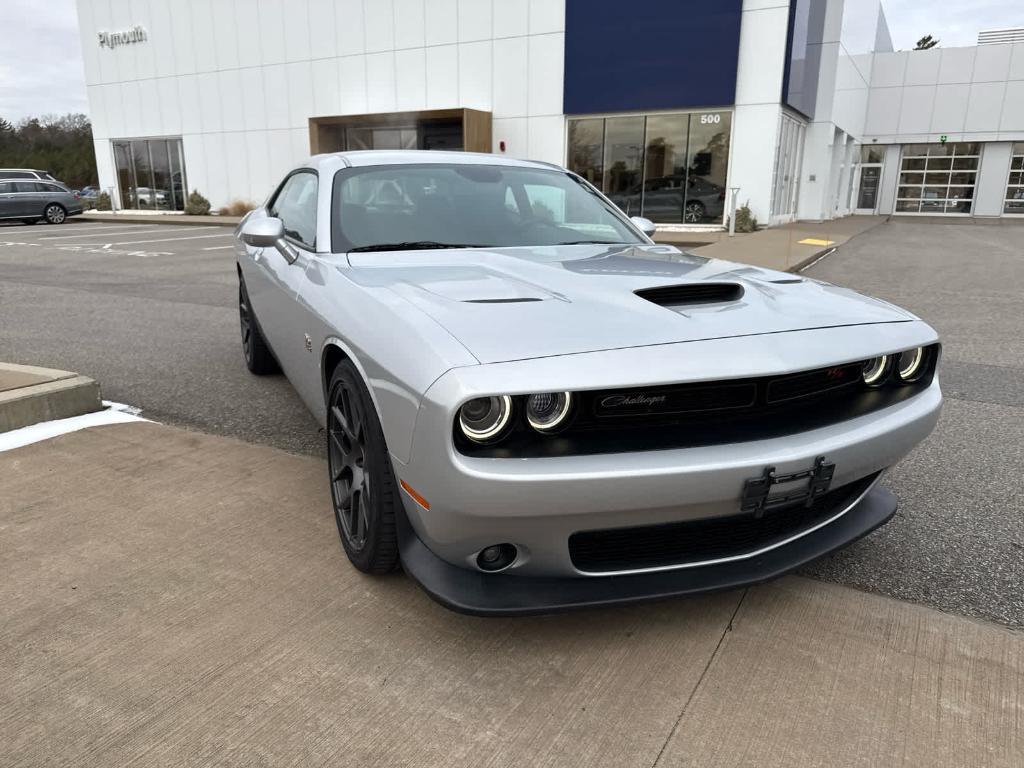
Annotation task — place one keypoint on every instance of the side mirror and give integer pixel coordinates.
(267, 232)
(646, 226)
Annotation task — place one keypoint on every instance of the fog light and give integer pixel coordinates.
(496, 557)
(875, 371)
(910, 364)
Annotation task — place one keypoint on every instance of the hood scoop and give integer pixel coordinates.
(690, 294)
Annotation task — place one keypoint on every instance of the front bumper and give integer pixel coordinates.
(504, 594)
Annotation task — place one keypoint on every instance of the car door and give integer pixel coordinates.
(26, 199)
(8, 200)
(272, 283)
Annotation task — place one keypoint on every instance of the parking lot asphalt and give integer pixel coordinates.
(150, 312)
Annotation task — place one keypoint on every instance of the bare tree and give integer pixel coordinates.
(925, 43)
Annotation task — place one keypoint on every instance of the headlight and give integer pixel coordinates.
(547, 411)
(910, 364)
(875, 370)
(484, 418)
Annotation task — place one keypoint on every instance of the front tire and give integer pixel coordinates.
(55, 214)
(363, 488)
(258, 357)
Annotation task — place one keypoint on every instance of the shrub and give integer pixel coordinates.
(237, 208)
(745, 220)
(103, 202)
(197, 205)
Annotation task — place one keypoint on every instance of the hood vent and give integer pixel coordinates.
(692, 293)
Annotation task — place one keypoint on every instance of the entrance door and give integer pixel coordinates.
(867, 187)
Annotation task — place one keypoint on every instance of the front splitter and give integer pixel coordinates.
(503, 594)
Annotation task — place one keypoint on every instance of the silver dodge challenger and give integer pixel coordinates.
(530, 406)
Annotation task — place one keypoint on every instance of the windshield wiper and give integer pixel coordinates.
(414, 245)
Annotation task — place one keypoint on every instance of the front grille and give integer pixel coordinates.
(690, 415)
(693, 541)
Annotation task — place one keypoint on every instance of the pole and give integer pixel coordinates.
(733, 193)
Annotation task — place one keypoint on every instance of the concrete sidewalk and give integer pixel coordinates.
(129, 217)
(173, 598)
(788, 248)
(29, 395)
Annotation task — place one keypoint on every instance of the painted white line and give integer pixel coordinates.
(142, 230)
(218, 247)
(165, 239)
(115, 414)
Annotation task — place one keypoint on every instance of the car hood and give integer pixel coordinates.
(507, 304)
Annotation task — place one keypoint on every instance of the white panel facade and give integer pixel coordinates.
(238, 80)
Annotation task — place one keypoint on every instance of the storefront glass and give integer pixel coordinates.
(150, 173)
(670, 168)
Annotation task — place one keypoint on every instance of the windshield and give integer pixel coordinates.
(405, 207)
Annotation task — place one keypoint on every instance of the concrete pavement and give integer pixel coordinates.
(173, 598)
(29, 395)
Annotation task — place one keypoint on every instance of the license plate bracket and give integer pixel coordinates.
(757, 498)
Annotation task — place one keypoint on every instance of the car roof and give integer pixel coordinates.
(370, 157)
(29, 170)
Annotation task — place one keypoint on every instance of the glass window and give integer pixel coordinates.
(870, 154)
(26, 186)
(708, 159)
(16, 175)
(295, 205)
(937, 178)
(471, 205)
(1014, 201)
(664, 189)
(586, 149)
(623, 162)
(150, 173)
(670, 168)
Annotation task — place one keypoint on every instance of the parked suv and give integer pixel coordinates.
(25, 173)
(31, 200)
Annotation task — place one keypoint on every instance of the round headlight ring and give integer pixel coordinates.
(548, 410)
(910, 365)
(875, 371)
(483, 419)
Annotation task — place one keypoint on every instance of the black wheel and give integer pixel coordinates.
(693, 213)
(362, 483)
(258, 357)
(55, 214)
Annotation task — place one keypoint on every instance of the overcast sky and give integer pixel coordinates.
(41, 57)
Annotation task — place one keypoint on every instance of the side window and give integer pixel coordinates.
(295, 206)
(26, 186)
(18, 175)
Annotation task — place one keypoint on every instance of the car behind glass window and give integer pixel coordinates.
(295, 206)
(469, 205)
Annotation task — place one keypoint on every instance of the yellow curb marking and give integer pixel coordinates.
(814, 241)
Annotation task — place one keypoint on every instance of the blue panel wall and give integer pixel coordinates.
(650, 54)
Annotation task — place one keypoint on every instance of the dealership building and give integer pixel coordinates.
(800, 108)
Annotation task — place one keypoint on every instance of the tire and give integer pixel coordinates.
(363, 488)
(258, 357)
(55, 213)
(693, 212)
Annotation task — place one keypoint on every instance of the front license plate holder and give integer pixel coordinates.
(757, 491)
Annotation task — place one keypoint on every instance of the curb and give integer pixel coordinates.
(157, 218)
(30, 395)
